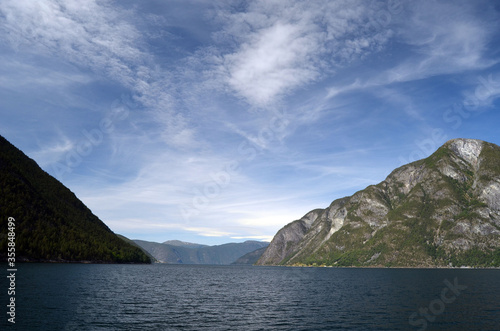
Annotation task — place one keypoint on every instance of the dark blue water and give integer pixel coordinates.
(183, 297)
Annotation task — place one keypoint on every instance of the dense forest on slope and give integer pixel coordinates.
(133, 243)
(52, 224)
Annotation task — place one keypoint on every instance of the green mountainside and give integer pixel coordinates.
(176, 252)
(52, 224)
(441, 211)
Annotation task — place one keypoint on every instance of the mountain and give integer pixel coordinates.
(250, 258)
(51, 223)
(437, 212)
(179, 243)
(191, 254)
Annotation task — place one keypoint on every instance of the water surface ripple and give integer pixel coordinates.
(197, 297)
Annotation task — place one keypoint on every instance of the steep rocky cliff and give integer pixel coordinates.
(250, 258)
(440, 211)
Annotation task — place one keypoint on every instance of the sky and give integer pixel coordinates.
(222, 121)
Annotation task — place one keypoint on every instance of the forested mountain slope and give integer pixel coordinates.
(51, 223)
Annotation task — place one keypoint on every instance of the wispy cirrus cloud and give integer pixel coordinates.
(443, 38)
(440, 38)
(89, 34)
(53, 151)
(99, 37)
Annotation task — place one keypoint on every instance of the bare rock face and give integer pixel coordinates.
(467, 149)
(440, 211)
(491, 195)
(286, 239)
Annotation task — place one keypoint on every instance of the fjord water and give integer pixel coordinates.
(201, 297)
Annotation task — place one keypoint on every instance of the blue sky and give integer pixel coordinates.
(222, 121)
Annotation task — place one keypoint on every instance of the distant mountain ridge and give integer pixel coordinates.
(51, 223)
(190, 253)
(441, 211)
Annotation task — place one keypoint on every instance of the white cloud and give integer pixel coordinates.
(259, 238)
(336, 90)
(272, 64)
(279, 46)
(209, 232)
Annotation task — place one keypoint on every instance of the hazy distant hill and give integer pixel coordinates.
(51, 224)
(189, 253)
(440, 211)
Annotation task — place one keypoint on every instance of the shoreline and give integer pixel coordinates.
(382, 267)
